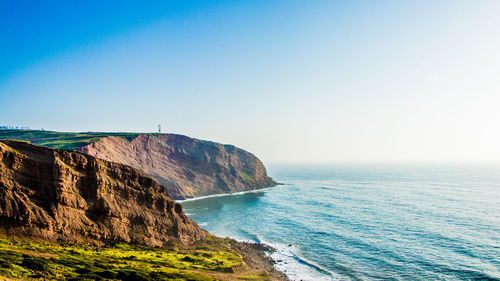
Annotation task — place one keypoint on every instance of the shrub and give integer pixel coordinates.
(35, 263)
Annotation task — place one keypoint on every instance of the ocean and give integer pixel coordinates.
(362, 222)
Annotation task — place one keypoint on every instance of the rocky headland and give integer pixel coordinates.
(54, 201)
(185, 166)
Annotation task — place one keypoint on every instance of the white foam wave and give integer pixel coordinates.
(294, 266)
(223, 195)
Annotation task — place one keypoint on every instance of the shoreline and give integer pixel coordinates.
(255, 254)
(285, 260)
(258, 257)
(282, 258)
(226, 194)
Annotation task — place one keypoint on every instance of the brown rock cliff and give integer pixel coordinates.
(55, 194)
(187, 167)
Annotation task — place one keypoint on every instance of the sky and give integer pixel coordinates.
(290, 81)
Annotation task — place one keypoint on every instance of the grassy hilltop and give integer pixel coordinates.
(62, 140)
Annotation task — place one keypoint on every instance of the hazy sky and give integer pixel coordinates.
(300, 81)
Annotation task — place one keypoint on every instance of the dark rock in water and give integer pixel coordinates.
(187, 167)
(63, 195)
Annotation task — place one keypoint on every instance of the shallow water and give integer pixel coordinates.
(369, 222)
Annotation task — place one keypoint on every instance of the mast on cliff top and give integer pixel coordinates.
(159, 129)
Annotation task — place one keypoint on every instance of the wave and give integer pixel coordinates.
(223, 195)
(288, 261)
(252, 237)
(297, 267)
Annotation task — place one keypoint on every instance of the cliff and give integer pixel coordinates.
(187, 167)
(63, 195)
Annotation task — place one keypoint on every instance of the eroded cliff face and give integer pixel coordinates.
(186, 167)
(55, 194)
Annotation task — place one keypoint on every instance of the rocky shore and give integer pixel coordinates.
(256, 257)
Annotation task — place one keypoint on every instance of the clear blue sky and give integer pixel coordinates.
(291, 81)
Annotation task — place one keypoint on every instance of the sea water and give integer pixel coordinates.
(369, 222)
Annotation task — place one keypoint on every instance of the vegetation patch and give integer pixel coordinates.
(213, 259)
(247, 176)
(249, 277)
(59, 140)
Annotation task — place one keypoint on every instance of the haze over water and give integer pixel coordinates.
(369, 222)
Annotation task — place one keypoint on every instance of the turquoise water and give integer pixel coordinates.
(369, 223)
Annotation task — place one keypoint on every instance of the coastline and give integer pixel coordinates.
(280, 263)
(284, 259)
(226, 194)
(287, 260)
(257, 256)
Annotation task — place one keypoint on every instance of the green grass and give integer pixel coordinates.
(61, 140)
(253, 277)
(247, 176)
(206, 261)
(72, 141)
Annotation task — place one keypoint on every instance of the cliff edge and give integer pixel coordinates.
(64, 195)
(187, 167)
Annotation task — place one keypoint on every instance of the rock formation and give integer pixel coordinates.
(187, 167)
(64, 195)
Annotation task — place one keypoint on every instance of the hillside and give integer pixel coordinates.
(65, 215)
(187, 167)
